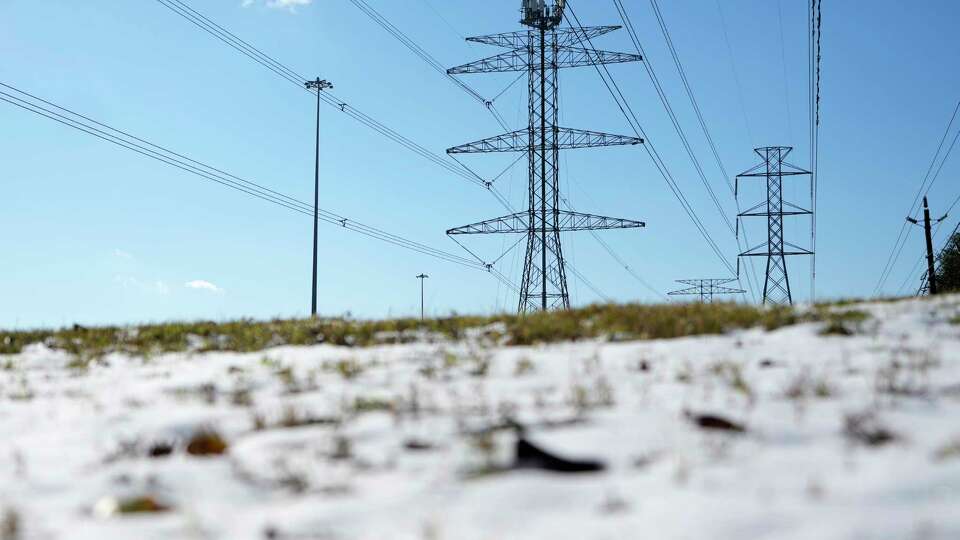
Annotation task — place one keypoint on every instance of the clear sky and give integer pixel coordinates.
(95, 234)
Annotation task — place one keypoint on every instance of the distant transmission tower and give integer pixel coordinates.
(706, 288)
(541, 51)
(776, 287)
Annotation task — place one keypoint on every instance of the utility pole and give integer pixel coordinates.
(540, 50)
(421, 277)
(319, 86)
(931, 271)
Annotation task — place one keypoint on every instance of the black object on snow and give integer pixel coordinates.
(715, 422)
(529, 456)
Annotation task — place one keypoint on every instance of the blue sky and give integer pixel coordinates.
(95, 234)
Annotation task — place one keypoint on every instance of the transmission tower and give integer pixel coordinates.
(706, 288)
(776, 287)
(541, 50)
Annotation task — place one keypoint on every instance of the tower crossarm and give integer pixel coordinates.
(565, 221)
(565, 36)
(785, 169)
(566, 139)
(760, 210)
(519, 60)
(705, 288)
(763, 250)
(689, 291)
(764, 174)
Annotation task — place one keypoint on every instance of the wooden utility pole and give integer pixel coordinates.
(931, 270)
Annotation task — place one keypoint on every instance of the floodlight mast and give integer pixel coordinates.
(541, 50)
(318, 85)
(421, 277)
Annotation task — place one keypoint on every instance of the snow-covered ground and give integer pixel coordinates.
(852, 437)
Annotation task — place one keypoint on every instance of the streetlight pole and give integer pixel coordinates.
(319, 86)
(422, 277)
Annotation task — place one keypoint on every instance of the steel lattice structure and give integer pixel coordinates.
(706, 288)
(776, 287)
(542, 50)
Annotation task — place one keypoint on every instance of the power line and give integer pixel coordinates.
(606, 247)
(628, 23)
(814, 165)
(588, 283)
(669, 109)
(151, 150)
(905, 231)
(545, 284)
(445, 21)
(811, 106)
(407, 42)
(255, 54)
(733, 68)
(786, 78)
(631, 118)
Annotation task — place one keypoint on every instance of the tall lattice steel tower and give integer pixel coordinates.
(776, 287)
(541, 50)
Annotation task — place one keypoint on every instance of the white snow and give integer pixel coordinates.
(417, 460)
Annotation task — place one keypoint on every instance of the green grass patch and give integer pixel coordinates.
(608, 322)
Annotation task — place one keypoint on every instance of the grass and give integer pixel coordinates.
(803, 386)
(841, 323)
(611, 322)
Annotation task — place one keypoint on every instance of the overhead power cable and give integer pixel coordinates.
(733, 68)
(455, 166)
(105, 132)
(588, 283)
(407, 42)
(786, 77)
(815, 24)
(279, 69)
(628, 24)
(635, 125)
(923, 189)
(374, 15)
(665, 101)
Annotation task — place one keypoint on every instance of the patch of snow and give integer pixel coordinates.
(411, 441)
